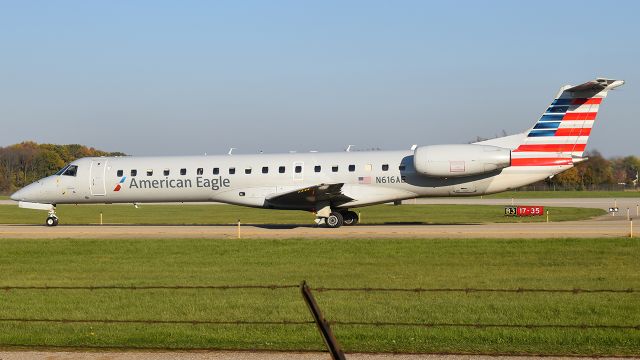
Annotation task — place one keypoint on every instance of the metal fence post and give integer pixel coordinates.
(321, 322)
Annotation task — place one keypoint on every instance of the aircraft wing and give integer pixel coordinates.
(308, 197)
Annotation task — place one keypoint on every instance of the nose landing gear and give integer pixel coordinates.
(52, 219)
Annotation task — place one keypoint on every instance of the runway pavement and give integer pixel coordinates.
(601, 227)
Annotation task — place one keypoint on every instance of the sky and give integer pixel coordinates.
(194, 77)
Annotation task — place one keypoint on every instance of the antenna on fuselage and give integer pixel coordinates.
(413, 147)
(348, 148)
(231, 150)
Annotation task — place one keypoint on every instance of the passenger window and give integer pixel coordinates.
(120, 173)
(247, 171)
(183, 171)
(72, 170)
(298, 169)
(232, 171)
(352, 168)
(149, 172)
(402, 167)
(200, 171)
(281, 169)
(334, 168)
(134, 172)
(166, 172)
(216, 171)
(317, 168)
(385, 167)
(265, 169)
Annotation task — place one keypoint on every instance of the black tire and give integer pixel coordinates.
(335, 220)
(350, 218)
(55, 222)
(51, 221)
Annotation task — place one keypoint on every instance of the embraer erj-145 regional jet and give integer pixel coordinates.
(329, 184)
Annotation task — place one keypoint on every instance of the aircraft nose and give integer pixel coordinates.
(16, 195)
(27, 193)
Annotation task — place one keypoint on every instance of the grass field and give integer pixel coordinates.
(564, 194)
(229, 214)
(487, 263)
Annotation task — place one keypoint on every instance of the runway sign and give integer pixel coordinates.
(524, 210)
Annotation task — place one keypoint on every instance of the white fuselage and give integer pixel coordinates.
(369, 177)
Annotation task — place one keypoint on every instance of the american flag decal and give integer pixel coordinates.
(364, 179)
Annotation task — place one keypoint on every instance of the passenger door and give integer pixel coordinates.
(97, 175)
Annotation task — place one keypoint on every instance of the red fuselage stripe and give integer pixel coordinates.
(541, 162)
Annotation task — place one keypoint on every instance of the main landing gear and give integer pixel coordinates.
(339, 218)
(52, 219)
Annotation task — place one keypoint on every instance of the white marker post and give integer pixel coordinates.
(547, 215)
(239, 234)
(100, 217)
(631, 228)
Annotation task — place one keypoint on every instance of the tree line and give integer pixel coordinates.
(598, 172)
(24, 163)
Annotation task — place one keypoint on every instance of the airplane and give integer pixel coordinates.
(331, 184)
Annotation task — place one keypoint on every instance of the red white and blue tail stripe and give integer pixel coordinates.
(560, 135)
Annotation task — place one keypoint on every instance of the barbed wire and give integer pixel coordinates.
(149, 287)
(318, 289)
(488, 325)
(310, 322)
(159, 322)
(470, 290)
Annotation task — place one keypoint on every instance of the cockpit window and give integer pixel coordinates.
(71, 170)
(61, 171)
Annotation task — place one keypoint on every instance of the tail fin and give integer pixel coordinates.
(561, 134)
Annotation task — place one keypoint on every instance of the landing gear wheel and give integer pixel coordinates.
(335, 220)
(350, 217)
(51, 221)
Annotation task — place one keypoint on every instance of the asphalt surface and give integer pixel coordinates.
(606, 226)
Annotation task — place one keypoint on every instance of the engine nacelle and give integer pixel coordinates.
(460, 160)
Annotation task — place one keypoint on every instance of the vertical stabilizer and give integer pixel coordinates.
(561, 133)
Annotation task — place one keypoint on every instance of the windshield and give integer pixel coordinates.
(62, 170)
(69, 170)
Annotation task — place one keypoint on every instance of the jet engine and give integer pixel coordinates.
(460, 160)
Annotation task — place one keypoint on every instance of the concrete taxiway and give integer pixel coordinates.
(606, 226)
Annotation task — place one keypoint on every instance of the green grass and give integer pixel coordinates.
(486, 263)
(229, 214)
(563, 194)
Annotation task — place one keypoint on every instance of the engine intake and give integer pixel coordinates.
(460, 160)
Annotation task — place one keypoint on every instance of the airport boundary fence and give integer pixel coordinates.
(523, 291)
